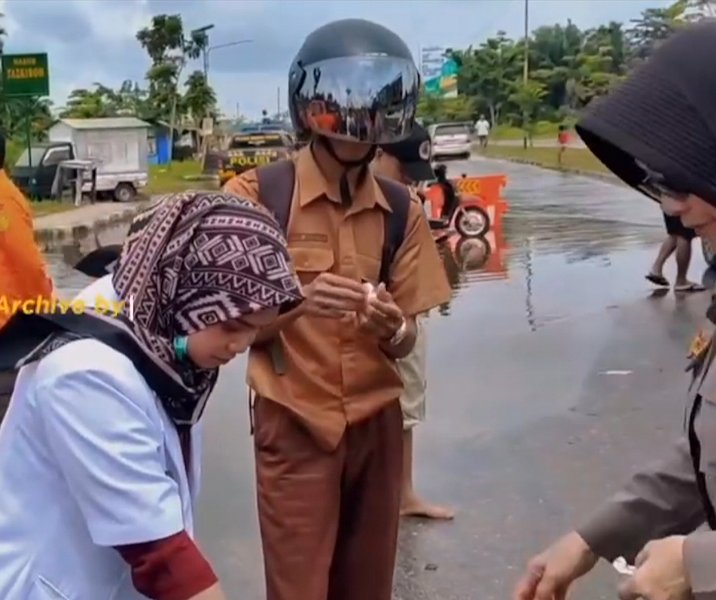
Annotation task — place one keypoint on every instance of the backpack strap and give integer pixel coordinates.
(276, 182)
(398, 197)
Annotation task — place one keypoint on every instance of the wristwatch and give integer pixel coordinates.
(399, 334)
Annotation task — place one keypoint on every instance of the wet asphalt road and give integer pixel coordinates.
(550, 380)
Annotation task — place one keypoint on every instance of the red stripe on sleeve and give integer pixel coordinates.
(169, 569)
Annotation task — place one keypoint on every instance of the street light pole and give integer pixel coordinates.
(209, 50)
(204, 56)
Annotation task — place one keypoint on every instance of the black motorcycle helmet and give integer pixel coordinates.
(353, 80)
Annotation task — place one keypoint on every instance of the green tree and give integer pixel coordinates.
(199, 100)
(654, 26)
(15, 112)
(102, 101)
(169, 50)
(568, 66)
(487, 72)
(88, 103)
(527, 98)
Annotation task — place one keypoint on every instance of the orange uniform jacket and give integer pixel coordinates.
(23, 273)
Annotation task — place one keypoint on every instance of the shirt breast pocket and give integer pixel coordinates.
(369, 268)
(311, 262)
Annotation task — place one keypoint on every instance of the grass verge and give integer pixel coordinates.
(177, 177)
(165, 179)
(574, 159)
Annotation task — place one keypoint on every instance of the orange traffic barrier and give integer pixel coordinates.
(488, 187)
(485, 190)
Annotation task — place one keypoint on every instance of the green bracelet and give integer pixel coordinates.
(181, 348)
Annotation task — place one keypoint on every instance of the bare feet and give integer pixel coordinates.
(415, 507)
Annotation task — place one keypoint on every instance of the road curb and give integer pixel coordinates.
(49, 237)
(606, 177)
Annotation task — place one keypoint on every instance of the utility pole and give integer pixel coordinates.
(526, 69)
(278, 102)
(202, 34)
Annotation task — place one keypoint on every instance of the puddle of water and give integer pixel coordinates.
(62, 260)
(569, 246)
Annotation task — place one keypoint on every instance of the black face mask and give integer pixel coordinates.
(361, 163)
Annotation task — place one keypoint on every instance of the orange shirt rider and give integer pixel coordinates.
(334, 374)
(23, 274)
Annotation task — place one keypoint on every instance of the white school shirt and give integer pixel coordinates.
(88, 460)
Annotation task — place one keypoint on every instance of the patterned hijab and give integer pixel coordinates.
(189, 261)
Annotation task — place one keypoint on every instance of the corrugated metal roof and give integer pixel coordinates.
(108, 123)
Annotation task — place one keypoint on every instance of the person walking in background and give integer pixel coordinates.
(678, 242)
(23, 272)
(409, 162)
(482, 129)
(562, 142)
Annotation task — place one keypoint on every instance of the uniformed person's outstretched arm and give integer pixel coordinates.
(661, 501)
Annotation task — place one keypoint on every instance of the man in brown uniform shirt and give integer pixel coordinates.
(657, 132)
(327, 421)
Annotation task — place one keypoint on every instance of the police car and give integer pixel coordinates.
(248, 150)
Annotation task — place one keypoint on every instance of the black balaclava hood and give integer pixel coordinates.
(664, 115)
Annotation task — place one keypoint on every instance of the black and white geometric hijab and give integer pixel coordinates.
(189, 261)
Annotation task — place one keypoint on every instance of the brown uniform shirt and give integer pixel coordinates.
(336, 375)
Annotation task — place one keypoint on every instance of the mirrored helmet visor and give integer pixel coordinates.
(369, 99)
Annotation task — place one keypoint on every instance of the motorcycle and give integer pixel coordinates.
(467, 217)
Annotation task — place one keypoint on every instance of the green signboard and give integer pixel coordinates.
(25, 75)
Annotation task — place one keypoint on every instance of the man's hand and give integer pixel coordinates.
(660, 573)
(550, 574)
(332, 296)
(380, 315)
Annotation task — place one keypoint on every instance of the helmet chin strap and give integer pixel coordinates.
(361, 163)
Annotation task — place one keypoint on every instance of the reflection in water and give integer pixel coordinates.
(61, 261)
(534, 266)
(461, 256)
(529, 275)
(473, 260)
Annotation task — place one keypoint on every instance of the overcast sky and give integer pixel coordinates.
(94, 40)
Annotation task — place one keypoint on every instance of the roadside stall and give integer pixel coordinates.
(77, 176)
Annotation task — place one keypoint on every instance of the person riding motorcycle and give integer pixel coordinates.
(450, 197)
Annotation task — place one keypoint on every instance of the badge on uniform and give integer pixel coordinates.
(697, 350)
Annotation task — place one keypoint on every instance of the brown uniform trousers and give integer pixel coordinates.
(328, 424)
(346, 550)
